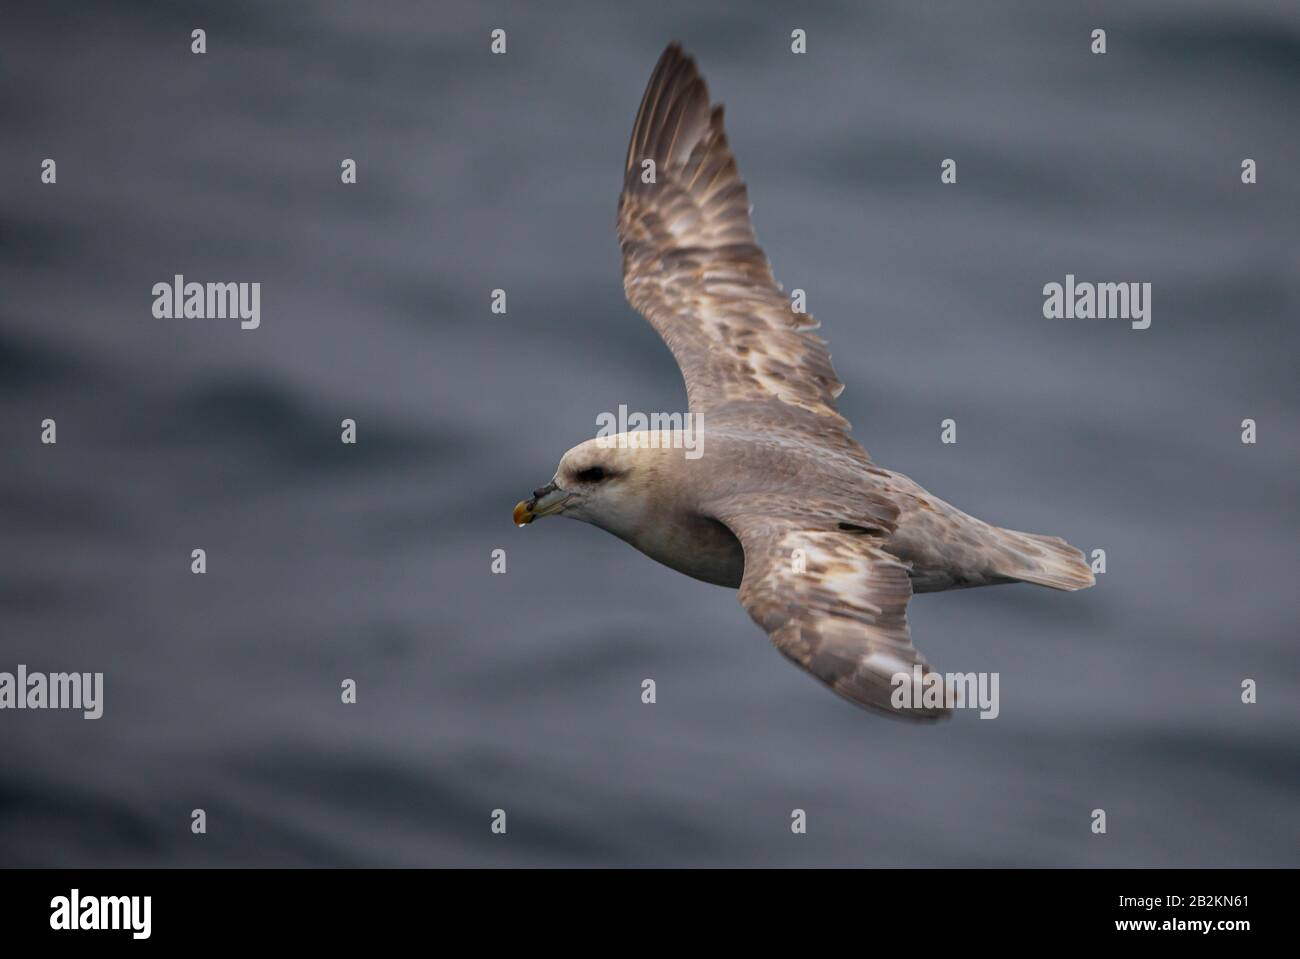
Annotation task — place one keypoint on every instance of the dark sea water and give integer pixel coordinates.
(522, 691)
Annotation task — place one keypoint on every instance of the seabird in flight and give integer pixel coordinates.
(825, 547)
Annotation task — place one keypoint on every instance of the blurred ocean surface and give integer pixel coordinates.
(522, 691)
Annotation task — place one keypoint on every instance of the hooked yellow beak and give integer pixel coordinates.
(547, 500)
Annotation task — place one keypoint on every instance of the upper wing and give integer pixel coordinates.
(693, 267)
(836, 604)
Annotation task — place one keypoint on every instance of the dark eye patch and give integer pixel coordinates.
(592, 474)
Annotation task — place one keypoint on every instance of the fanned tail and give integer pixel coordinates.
(1044, 561)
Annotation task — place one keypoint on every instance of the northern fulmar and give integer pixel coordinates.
(825, 547)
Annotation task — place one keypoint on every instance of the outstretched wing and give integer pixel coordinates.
(835, 603)
(693, 267)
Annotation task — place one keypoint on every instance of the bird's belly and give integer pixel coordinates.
(701, 548)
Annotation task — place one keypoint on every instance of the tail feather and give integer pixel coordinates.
(1044, 561)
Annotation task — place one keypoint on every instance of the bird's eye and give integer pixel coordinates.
(592, 474)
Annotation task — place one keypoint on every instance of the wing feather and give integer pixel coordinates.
(692, 265)
(833, 602)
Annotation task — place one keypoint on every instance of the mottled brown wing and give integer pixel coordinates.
(835, 603)
(693, 267)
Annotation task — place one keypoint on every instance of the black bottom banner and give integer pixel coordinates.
(897, 908)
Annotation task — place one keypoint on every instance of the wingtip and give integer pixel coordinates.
(675, 58)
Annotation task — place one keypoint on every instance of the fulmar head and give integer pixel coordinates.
(606, 481)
